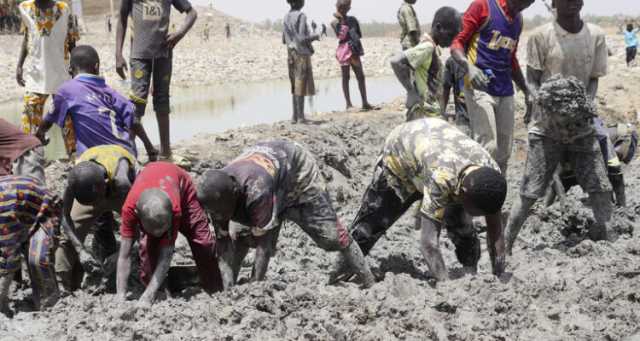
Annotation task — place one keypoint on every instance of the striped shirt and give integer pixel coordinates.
(25, 206)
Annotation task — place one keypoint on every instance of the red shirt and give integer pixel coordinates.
(178, 185)
(474, 18)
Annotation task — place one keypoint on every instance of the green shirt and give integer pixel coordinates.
(424, 58)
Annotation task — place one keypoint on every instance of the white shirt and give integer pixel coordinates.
(49, 32)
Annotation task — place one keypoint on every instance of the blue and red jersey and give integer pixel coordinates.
(490, 36)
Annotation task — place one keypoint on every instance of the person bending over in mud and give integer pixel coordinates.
(567, 112)
(347, 29)
(454, 177)
(298, 39)
(100, 115)
(97, 186)
(162, 202)
(271, 182)
(29, 222)
(419, 69)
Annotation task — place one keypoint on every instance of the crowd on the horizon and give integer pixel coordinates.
(454, 164)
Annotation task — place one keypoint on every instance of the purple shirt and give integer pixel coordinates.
(100, 115)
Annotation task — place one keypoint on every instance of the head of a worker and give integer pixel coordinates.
(343, 7)
(411, 2)
(629, 27)
(155, 212)
(296, 4)
(484, 190)
(218, 193)
(517, 6)
(567, 8)
(84, 59)
(446, 26)
(88, 182)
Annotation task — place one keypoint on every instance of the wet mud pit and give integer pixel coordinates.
(560, 287)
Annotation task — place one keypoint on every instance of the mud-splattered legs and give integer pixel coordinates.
(518, 216)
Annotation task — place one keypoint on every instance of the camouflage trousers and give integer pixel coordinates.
(33, 114)
(382, 206)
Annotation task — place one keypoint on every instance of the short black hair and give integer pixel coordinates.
(215, 186)
(84, 179)
(448, 17)
(629, 27)
(155, 210)
(486, 188)
(84, 57)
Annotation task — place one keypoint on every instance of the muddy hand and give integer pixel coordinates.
(121, 67)
(19, 77)
(90, 264)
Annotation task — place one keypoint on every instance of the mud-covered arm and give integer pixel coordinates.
(534, 79)
(495, 243)
(87, 260)
(159, 275)
(22, 56)
(430, 248)
(122, 179)
(592, 88)
(124, 267)
(521, 82)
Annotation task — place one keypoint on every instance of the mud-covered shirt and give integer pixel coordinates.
(552, 50)
(273, 175)
(151, 25)
(429, 156)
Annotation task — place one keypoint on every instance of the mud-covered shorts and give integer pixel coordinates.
(545, 155)
(301, 74)
(385, 201)
(143, 72)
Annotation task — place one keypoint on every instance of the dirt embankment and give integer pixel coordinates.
(561, 287)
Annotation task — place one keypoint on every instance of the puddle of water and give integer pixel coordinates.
(218, 108)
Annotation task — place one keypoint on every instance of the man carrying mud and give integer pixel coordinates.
(453, 176)
(565, 113)
(29, 219)
(487, 49)
(162, 202)
(410, 26)
(419, 69)
(20, 154)
(269, 183)
(100, 115)
(568, 47)
(152, 58)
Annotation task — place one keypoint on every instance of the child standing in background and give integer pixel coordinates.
(298, 39)
(349, 51)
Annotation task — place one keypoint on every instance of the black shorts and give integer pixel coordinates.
(631, 53)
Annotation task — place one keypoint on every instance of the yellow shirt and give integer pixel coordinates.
(108, 156)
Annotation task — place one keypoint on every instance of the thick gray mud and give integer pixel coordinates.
(560, 286)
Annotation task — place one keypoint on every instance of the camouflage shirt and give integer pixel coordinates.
(408, 21)
(429, 156)
(274, 175)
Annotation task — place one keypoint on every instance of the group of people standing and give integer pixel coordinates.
(456, 176)
(9, 17)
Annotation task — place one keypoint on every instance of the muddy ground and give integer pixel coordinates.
(560, 286)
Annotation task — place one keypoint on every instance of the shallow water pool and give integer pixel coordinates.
(214, 109)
